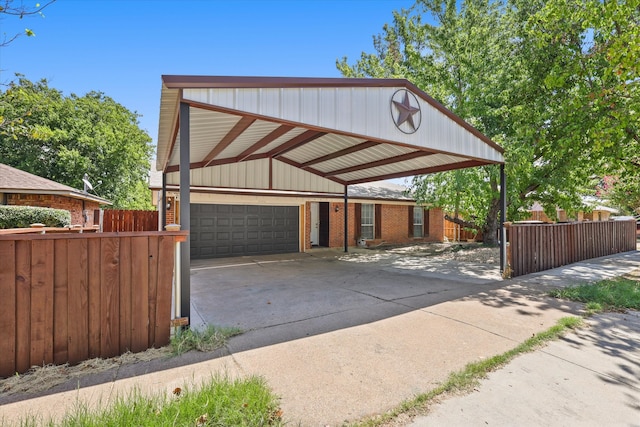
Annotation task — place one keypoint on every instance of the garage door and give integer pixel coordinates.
(219, 231)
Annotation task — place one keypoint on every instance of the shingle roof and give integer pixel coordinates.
(379, 190)
(14, 180)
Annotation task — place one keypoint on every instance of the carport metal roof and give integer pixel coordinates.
(304, 134)
(311, 134)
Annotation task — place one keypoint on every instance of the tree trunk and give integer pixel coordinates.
(460, 221)
(490, 229)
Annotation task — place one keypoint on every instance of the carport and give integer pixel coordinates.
(259, 135)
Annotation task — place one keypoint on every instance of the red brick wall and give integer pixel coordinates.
(395, 225)
(307, 225)
(336, 225)
(171, 212)
(56, 202)
(436, 225)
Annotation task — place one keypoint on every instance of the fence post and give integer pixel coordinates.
(177, 273)
(503, 218)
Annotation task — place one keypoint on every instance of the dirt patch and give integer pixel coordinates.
(633, 275)
(42, 378)
(463, 252)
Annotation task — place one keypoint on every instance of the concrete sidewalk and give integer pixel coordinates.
(368, 369)
(587, 378)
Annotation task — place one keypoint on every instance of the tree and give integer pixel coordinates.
(11, 8)
(63, 137)
(461, 58)
(594, 82)
(522, 73)
(622, 191)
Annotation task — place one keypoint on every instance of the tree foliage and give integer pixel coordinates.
(623, 191)
(63, 137)
(554, 82)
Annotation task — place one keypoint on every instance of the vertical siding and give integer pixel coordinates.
(255, 174)
(291, 178)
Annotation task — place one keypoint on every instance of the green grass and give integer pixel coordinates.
(206, 340)
(469, 377)
(219, 402)
(617, 294)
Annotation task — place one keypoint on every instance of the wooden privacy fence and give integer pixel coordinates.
(456, 233)
(72, 297)
(538, 247)
(121, 220)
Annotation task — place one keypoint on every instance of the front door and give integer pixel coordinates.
(324, 224)
(315, 224)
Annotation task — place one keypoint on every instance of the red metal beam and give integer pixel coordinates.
(310, 170)
(424, 171)
(275, 134)
(390, 160)
(343, 152)
(231, 136)
(296, 142)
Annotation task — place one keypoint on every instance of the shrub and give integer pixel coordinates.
(24, 216)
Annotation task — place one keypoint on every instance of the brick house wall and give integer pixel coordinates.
(307, 225)
(171, 212)
(74, 206)
(336, 225)
(395, 228)
(394, 221)
(394, 224)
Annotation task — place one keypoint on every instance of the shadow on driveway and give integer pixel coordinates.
(274, 299)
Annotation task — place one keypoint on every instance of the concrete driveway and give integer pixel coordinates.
(280, 298)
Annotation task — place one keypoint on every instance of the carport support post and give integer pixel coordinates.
(185, 211)
(346, 219)
(503, 218)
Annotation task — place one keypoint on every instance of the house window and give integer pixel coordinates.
(367, 221)
(418, 216)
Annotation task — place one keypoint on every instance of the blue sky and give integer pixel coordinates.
(122, 47)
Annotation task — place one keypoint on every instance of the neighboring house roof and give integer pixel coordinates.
(383, 190)
(592, 202)
(598, 204)
(379, 190)
(536, 207)
(14, 180)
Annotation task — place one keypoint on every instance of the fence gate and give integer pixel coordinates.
(124, 220)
